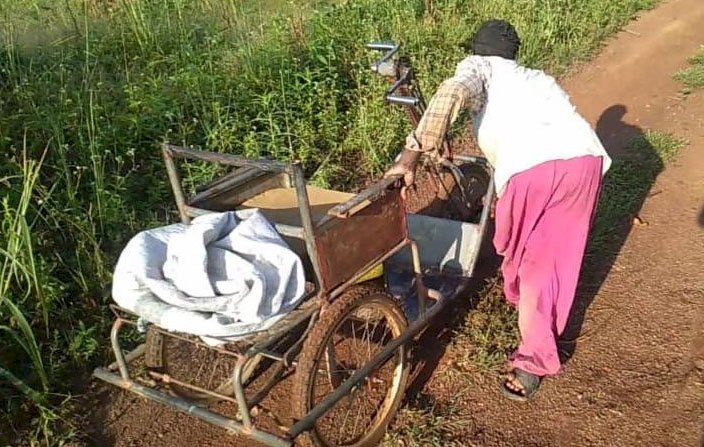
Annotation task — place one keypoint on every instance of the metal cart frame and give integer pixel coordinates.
(338, 257)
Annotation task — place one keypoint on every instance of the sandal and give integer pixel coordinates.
(528, 382)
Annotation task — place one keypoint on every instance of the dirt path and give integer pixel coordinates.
(637, 376)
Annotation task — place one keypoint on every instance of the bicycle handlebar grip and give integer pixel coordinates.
(403, 100)
(380, 65)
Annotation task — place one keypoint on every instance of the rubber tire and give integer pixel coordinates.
(313, 348)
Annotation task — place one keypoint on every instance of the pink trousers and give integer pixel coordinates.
(542, 223)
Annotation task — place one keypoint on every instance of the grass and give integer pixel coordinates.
(693, 76)
(89, 88)
(436, 426)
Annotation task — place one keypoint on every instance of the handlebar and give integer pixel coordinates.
(402, 75)
(383, 66)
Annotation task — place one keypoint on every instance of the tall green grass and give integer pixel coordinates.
(88, 88)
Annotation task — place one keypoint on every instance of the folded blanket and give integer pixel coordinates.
(224, 275)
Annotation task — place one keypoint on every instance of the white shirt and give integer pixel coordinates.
(522, 117)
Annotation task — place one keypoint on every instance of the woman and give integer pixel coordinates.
(548, 165)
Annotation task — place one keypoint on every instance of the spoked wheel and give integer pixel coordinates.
(355, 327)
(193, 364)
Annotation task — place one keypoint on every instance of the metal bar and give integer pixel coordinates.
(271, 355)
(282, 229)
(187, 407)
(239, 393)
(263, 391)
(310, 313)
(168, 379)
(345, 209)
(471, 159)
(225, 159)
(217, 349)
(403, 100)
(414, 328)
(390, 47)
(130, 357)
(342, 287)
(119, 356)
(233, 179)
(418, 274)
(175, 181)
(299, 182)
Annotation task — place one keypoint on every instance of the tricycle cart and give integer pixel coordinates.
(344, 347)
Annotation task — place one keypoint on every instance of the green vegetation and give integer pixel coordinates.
(89, 88)
(693, 77)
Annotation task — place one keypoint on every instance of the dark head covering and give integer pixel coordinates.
(495, 38)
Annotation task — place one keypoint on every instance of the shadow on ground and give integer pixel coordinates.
(636, 165)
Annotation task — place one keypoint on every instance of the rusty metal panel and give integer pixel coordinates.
(345, 245)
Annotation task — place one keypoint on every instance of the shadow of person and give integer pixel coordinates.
(636, 165)
(701, 224)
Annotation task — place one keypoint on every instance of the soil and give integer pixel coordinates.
(637, 374)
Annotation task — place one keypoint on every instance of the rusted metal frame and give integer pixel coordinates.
(311, 314)
(282, 364)
(218, 349)
(233, 179)
(165, 378)
(275, 379)
(337, 291)
(224, 159)
(189, 408)
(240, 397)
(201, 344)
(175, 180)
(282, 229)
(129, 357)
(346, 209)
(117, 349)
(412, 330)
(299, 182)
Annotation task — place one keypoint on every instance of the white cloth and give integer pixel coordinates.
(224, 275)
(523, 118)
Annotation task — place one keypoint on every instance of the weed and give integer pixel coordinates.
(693, 76)
(488, 334)
(437, 426)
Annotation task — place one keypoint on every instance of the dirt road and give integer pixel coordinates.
(637, 377)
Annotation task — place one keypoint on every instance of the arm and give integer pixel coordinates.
(466, 90)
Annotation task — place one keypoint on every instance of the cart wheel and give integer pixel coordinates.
(475, 184)
(349, 333)
(196, 365)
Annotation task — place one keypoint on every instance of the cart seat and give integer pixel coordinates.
(280, 205)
